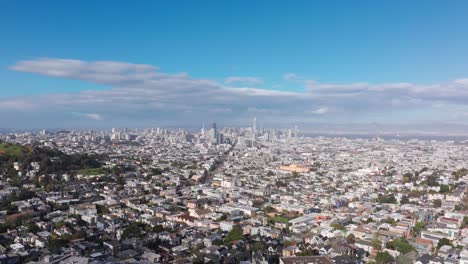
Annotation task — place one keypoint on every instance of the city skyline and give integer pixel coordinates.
(227, 195)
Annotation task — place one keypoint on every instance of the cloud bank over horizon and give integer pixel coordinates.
(141, 95)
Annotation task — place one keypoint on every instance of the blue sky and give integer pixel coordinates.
(336, 44)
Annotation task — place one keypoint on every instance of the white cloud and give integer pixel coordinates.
(17, 104)
(462, 81)
(291, 77)
(91, 116)
(455, 91)
(222, 110)
(140, 94)
(269, 111)
(105, 72)
(243, 80)
(318, 111)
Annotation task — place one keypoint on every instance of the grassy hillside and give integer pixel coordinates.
(50, 160)
(13, 150)
(91, 172)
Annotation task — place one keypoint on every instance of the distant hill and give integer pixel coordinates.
(7, 149)
(50, 160)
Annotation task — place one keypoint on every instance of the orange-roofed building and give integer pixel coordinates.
(294, 168)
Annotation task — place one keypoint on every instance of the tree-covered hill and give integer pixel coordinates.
(50, 160)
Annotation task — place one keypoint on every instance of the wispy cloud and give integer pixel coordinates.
(17, 104)
(254, 81)
(292, 77)
(463, 81)
(318, 111)
(106, 72)
(141, 94)
(92, 116)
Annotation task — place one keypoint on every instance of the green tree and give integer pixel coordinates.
(156, 171)
(306, 252)
(407, 177)
(390, 220)
(59, 224)
(33, 228)
(15, 180)
(287, 243)
(404, 200)
(437, 203)
(57, 243)
(460, 173)
(383, 257)
(444, 242)
(419, 226)
(235, 234)
(401, 245)
(432, 180)
(269, 209)
(133, 230)
(444, 188)
(121, 180)
(337, 226)
(222, 218)
(101, 209)
(376, 244)
(465, 222)
(258, 246)
(386, 198)
(351, 239)
(158, 228)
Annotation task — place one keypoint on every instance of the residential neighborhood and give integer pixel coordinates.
(233, 195)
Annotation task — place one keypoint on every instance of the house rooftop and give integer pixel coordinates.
(306, 260)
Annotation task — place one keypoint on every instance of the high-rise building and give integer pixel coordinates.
(215, 132)
(219, 138)
(254, 126)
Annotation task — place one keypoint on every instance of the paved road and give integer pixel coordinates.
(219, 167)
